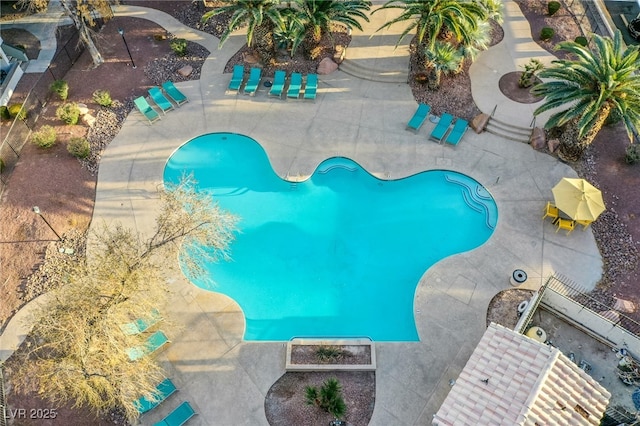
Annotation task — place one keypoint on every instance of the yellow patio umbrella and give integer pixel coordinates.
(578, 199)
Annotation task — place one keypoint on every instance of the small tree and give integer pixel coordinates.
(77, 352)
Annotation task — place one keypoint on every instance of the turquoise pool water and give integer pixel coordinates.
(338, 255)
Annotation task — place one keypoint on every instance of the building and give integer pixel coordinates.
(512, 379)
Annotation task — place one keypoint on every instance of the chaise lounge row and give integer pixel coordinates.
(163, 390)
(160, 100)
(443, 131)
(277, 87)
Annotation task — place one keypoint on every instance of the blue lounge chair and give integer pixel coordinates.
(419, 117)
(179, 416)
(441, 128)
(311, 87)
(164, 390)
(153, 343)
(141, 325)
(176, 95)
(459, 129)
(236, 78)
(254, 80)
(279, 80)
(143, 106)
(163, 103)
(295, 83)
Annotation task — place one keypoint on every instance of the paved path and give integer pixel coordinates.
(225, 378)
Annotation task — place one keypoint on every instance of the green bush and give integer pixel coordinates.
(102, 98)
(69, 113)
(1, 165)
(16, 111)
(546, 33)
(79, 147)
(553, 7)
(632, 155)
(582, 41)
(61, 88)
(329, 398)
(45, 137)
(179, 46)
(4, 112)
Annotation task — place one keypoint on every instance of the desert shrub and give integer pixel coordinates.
(4, 112)
(102, 98)
(45, 137)
(60, 88)
(15, 110)
(327, 354)
(79, 147)
(1, 165)
(582, 41)
(69, 113)
(553, 7)
(179, 46)
(632, 154)
(546, 33)
(528, 75)
(329, 398)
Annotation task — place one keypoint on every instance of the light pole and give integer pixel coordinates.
(36, 210)
(121, 32)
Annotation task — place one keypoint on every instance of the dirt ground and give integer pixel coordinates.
(64, 190)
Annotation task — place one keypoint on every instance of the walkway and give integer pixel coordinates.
(225, 378)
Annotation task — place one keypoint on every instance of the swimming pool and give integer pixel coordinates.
(338, 255)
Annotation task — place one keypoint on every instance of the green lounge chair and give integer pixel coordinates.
(143, 106)
(254, 80)
(441, 128)
(176, 95)
(295, 82)
(236, 78)
(161, 100)
(279, 79)
(179, 416)
(141, 324)
(459, 129)
(419, 117)
(164, 390)
(311, 87)
(153, 343)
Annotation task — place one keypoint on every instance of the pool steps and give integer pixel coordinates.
(476, 197)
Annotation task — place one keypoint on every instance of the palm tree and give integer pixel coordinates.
(444, 57)
(292, 33)
(591, 87)
(260, 17)
(319, 14)
(433, 19)
(493, 9)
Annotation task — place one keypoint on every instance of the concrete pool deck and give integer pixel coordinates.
(226, 379)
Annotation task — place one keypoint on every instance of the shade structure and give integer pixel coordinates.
(578, 199)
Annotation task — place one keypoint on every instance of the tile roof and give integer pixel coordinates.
(511, 379)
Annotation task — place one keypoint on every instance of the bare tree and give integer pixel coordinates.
(83, 13)
(77, 351)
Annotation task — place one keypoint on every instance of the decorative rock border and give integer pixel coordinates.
(345, 343)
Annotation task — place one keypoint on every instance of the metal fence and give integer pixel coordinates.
(32, 105)
(3, 402)
(573, 291)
